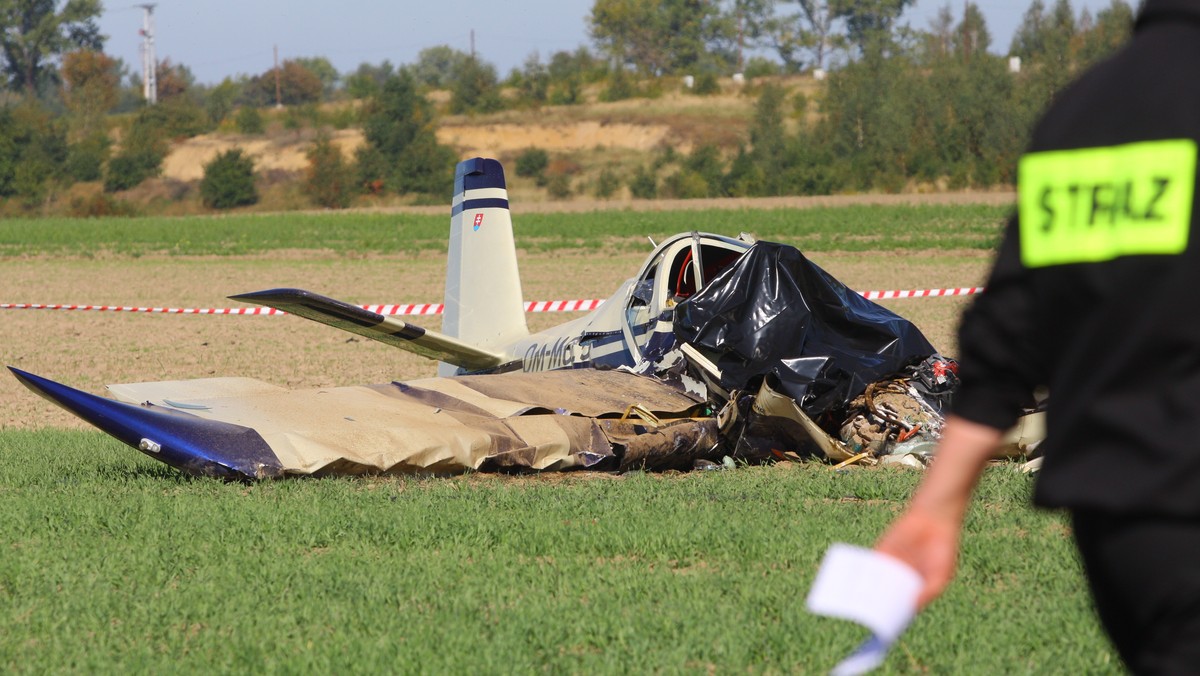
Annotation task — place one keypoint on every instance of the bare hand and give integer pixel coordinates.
(928, 543)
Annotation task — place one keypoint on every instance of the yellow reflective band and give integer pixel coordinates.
(1097, 204)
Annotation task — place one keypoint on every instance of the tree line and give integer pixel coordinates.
(899, 106)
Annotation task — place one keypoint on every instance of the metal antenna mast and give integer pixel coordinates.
(149, 61)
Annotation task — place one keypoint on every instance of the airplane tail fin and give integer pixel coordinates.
(484, 305)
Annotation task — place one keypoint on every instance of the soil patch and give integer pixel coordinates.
(492, 140)
(186, 160)
(288, 151)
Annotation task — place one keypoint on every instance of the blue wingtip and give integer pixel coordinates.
(189, 443)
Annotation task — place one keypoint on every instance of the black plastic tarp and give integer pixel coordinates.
(776, 312)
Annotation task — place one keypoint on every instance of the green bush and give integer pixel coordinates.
(620, 86)
(33, 150)
(292, 119)
(566, 93)
(218, 104)
(229, 181)
(38, 170)
(706, 162)
(342, 117)
(328, 179)
(179, 117)
(706, 85)
(666, 155)
(10, 149)
(800, 105)
(370, 166)
(746, 178)
(474, 88)
(143, 148)
(559, 186)
(129, 169)
(249, 121)
(758, 66)
(606, 184)
(86, 158)
(532, 163)
(685, 184)
(533, 82)
(402, 153)
(301, 115)
(644, 184)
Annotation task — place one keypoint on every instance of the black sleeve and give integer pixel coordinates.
(997, 359)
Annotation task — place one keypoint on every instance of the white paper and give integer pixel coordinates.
(870, 588)
(868, 656)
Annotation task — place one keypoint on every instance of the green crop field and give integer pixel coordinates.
(112, 562)
(115, 563)
(855, 228)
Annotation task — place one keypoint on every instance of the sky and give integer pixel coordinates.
(222, 38)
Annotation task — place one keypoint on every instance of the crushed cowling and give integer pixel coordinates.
(808, 365)
(901, 416)
(776, 313)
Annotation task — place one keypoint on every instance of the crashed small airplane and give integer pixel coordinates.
(719, 347)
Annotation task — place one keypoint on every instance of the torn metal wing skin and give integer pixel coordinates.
(246, 429)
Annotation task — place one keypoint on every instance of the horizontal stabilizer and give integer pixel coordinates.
(388, 330)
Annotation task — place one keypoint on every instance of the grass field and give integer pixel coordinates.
(859, 228)
(113, 562)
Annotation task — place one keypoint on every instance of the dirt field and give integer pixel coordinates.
(186, 160)
(91, 349)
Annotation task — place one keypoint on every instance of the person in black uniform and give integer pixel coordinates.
(1093, 295)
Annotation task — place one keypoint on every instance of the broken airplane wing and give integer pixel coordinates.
(246, 429)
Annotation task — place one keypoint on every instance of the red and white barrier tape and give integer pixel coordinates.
(921, 293)
(436, 308)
